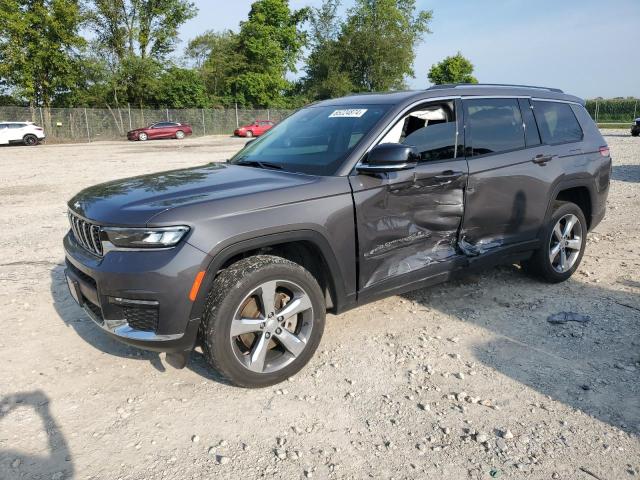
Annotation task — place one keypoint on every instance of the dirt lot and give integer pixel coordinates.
(464, 380)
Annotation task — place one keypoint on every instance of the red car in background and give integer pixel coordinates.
(254, 129)
(161, 130)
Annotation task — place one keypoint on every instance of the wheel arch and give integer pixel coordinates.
(307, 248)
(578, 191)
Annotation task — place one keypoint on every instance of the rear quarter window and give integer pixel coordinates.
(557, 122)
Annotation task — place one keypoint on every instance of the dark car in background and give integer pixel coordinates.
(161, 130)
(345, 202)
(635, 128)
(254, 129)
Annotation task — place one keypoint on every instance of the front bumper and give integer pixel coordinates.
(138, 297)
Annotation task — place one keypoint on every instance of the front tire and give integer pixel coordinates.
(30, 140)
(563, 243)
(179, 134)
(143, 137)
(249, 134)
(263, 321)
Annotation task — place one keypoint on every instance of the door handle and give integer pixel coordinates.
(542, 159)
(448, 176)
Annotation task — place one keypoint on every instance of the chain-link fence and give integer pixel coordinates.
(93, 124)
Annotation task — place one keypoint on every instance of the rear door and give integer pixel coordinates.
(408, 221)
(507, 192)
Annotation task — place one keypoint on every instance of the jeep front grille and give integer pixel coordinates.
(86, 234)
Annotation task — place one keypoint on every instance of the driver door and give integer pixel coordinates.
(408, 221)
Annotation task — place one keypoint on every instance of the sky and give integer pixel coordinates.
(587, 48)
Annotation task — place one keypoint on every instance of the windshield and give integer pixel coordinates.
(314, 140)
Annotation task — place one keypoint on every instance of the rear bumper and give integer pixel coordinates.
(139, 298)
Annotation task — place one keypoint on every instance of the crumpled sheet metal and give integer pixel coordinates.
(408, 254)
(478, 248)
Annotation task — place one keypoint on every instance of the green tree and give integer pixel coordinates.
(378, 40)
(325, 77)
(39, 47)
(136, 36)
(271, 42)
(180, 88)
(455, 69)
(217, 56)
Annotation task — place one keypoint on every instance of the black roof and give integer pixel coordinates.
(454, 90)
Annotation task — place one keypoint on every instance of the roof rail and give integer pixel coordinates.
(505, 85)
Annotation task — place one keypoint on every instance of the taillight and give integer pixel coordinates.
(604, 151)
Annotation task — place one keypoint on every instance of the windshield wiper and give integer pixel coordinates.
(256, 163)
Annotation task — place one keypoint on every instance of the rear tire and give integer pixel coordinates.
(30, 140)
(179, 134)
(563, 242)
(263, 321)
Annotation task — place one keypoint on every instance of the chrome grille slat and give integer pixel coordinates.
(87, 234)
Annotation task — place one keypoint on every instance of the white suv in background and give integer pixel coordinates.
(26, 133)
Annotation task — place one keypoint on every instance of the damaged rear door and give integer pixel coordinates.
(408, 221)
(509, 179)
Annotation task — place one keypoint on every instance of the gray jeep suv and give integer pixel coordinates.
(345, 202)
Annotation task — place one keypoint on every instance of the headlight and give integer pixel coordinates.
(161, 237)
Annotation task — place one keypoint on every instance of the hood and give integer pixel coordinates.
(137, 130)
(134, 201)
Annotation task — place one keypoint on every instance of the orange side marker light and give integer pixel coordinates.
(196, 286)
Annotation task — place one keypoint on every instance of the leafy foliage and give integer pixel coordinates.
(372, 50)
(180, 88)
(130, 55)
(39, 47)
(217, 57)
(271, 42)
(454, 69)
(136, 36)
(378, 42)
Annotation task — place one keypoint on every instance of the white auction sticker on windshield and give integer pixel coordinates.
(348, 113)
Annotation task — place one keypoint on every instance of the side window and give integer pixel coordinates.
(557, 122)
(493, 125)
(531, 134)
(431, 129)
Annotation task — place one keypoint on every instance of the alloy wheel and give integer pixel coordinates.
(566, 243)
(271, 326)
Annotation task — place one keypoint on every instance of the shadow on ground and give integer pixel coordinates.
(590, 367)
(626, 173)
(75, 317)
(56, 463)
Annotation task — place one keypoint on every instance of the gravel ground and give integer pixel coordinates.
(464, 380)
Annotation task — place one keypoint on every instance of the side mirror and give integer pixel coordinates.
(389, 157)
